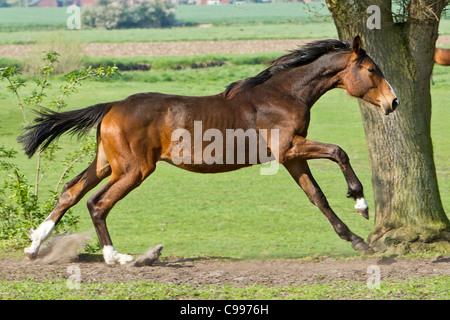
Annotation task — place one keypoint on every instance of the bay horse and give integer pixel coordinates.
(442, 56)
(135, 133)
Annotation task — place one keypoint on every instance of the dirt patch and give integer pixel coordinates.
(179, 48)
(197, 272)
(57, 258)
(187, 48)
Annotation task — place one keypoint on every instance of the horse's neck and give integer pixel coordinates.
(308, 83)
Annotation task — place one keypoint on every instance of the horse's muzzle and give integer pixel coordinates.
(388, 108)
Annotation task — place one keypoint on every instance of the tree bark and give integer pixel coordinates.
(409, 216)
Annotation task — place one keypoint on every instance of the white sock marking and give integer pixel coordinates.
(361, 204)
(111, 256)
(40, 235)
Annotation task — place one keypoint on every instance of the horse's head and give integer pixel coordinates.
(364, 79)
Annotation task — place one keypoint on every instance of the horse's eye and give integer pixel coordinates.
(371, 70)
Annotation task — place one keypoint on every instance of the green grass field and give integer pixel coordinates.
(20, 17)
(232, 22)
(290, 30)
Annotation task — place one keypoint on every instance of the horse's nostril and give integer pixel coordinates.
(395, 103)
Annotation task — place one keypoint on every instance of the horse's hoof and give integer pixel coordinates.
(362, 247)
(364, 213)
(362, 208)
(29, 254)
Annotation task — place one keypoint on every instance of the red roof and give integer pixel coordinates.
(54, 3)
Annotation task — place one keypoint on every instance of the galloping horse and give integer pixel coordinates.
(135, 133)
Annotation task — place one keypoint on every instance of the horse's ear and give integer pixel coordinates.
(356, 44)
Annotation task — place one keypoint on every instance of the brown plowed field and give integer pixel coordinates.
(179, 48)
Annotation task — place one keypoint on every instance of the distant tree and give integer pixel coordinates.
(408, 208)
(119, 14)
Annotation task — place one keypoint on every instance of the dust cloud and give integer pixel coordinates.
(149, 257)
(64, 248)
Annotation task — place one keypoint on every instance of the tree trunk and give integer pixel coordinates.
(409, 216)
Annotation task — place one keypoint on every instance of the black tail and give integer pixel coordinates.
(50, 125)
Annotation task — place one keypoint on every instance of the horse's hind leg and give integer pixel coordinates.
(101, 203)
(301, 173)
(72, 192)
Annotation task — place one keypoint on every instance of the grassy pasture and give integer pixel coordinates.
(20, 17)
(289, 30)
(232, 22)
(285, 15)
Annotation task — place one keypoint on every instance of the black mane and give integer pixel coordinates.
(299, 57)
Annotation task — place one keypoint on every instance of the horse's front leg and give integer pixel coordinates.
(301, 173)
(304, 149)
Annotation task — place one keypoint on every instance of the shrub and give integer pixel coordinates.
(119, 14)
(20, 209)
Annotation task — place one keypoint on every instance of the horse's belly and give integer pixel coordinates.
(208, 168)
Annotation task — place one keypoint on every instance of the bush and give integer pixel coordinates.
(120, 14)
(19, 207)
(20, 210)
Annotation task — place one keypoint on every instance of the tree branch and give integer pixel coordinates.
(61, 179)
